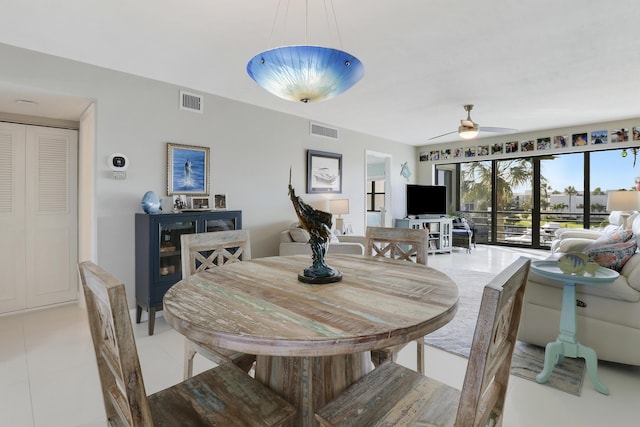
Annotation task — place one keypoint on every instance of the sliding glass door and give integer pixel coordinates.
(524, 201)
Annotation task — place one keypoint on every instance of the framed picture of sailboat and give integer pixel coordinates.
(324, 172)
(187, 170)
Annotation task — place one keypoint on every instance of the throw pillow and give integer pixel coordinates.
(617, 236)
(299, 235)
(613, 256)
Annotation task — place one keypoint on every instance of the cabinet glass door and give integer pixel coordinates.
(169, 235)
(220, 224)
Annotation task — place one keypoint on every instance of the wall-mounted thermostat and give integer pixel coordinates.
(118, 162)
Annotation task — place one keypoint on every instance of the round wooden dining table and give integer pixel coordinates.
(311, 341)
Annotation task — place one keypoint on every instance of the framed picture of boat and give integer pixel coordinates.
(187, 170)
(324, 172)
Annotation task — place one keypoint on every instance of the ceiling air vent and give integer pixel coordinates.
(190, 102)
(324, 131)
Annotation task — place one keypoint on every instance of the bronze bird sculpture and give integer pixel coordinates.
(318, 225)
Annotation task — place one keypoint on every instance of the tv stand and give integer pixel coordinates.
(439, 229)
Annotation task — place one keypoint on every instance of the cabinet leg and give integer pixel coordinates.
(152, 319)
(138, 313)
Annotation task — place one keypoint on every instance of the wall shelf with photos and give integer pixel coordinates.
(602, 136)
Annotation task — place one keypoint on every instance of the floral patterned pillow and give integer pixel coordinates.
(613, 256)
(617, 236)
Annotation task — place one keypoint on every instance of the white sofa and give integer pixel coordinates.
(568, 237)
(294, 242)
(608, 316)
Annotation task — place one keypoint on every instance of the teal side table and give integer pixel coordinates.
(567, 345)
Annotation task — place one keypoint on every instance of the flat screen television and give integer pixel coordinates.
(426, 200)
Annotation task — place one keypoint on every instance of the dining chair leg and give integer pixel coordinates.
(420, 354)
(189, 354)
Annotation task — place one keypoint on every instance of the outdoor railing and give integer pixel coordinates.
(514, 227)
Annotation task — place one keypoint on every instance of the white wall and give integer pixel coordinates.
(251, 152)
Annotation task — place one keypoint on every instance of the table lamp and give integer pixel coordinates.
(339, 207)
(624, 201)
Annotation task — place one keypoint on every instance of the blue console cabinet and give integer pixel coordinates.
(158, 263)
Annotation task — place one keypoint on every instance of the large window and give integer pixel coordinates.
(562, 198)
(524, 201)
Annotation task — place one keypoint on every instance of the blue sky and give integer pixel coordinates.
(609, 171)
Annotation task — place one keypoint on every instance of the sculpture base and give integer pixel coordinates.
(336, 276)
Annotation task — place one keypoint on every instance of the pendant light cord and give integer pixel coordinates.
(328, 10)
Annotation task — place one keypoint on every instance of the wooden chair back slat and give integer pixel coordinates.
(485, 384)
(398, 243)
(202, 251)
(113, 340)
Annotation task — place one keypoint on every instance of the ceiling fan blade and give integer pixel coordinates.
(444, 134)
(497, 130)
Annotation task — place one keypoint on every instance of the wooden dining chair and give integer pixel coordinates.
(203, 251)
(394, 395)
(398, 243)
(224, 395)
(409, 244)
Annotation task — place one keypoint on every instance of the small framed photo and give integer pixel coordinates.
(324, 172)
(620, 135)
(200, 203)
(179, 202)
(543, 143)
(561, 141)
(220, 201)
(599, 136)
(187, 170)
(527, 145)
(579, 139)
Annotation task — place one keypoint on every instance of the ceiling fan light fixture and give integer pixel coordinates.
(467, 132)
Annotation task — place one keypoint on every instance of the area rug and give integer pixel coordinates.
(528, 359)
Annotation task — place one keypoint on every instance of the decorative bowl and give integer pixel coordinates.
(573, 263)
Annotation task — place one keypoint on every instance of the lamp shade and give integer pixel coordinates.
(339, 206)
(623, 201)
(305, 73)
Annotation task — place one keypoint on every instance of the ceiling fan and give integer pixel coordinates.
(468, 129)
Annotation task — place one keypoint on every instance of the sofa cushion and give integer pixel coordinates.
(613, 256)
(299, 235)
(631, 271)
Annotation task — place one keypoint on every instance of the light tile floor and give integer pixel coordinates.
(48, 376)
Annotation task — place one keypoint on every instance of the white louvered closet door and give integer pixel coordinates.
(38, 210)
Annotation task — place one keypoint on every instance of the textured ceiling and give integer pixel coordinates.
(527, 65)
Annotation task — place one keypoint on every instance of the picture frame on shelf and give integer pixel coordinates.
(324, 172)
(200, 203)
(187, 170)
(179, 202)
(220, 201)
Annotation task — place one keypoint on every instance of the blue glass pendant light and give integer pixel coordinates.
(305, 73)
